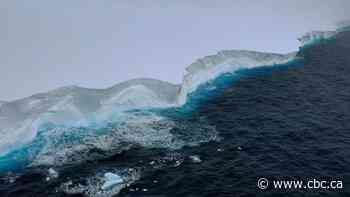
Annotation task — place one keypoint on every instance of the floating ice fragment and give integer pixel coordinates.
(10, 178)
(195, 159)
(52, 174)
(102, 185)
(111, 180)
(178, 163)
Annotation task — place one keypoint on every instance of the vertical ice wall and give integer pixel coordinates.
(227, 61)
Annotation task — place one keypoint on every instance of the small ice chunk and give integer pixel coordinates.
(178, 163)
(12, 179)
(195, 159)
(239, 148)
(111, 180)
(52, 174)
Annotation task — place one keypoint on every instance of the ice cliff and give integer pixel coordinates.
(315, 36)
(227, 61)
(343, 26)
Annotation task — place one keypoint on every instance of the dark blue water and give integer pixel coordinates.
(284, 122)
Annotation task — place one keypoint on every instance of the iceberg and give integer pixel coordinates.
(61, 125)
(75, 111)
(78, 112)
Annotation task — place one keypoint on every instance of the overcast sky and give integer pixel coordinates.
(49, 44)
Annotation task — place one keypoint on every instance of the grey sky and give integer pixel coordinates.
(48, 44)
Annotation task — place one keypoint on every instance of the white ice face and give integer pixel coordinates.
(343, 25)
(313, 36)
(210, 67)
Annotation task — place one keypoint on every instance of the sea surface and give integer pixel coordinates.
(287, 122)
